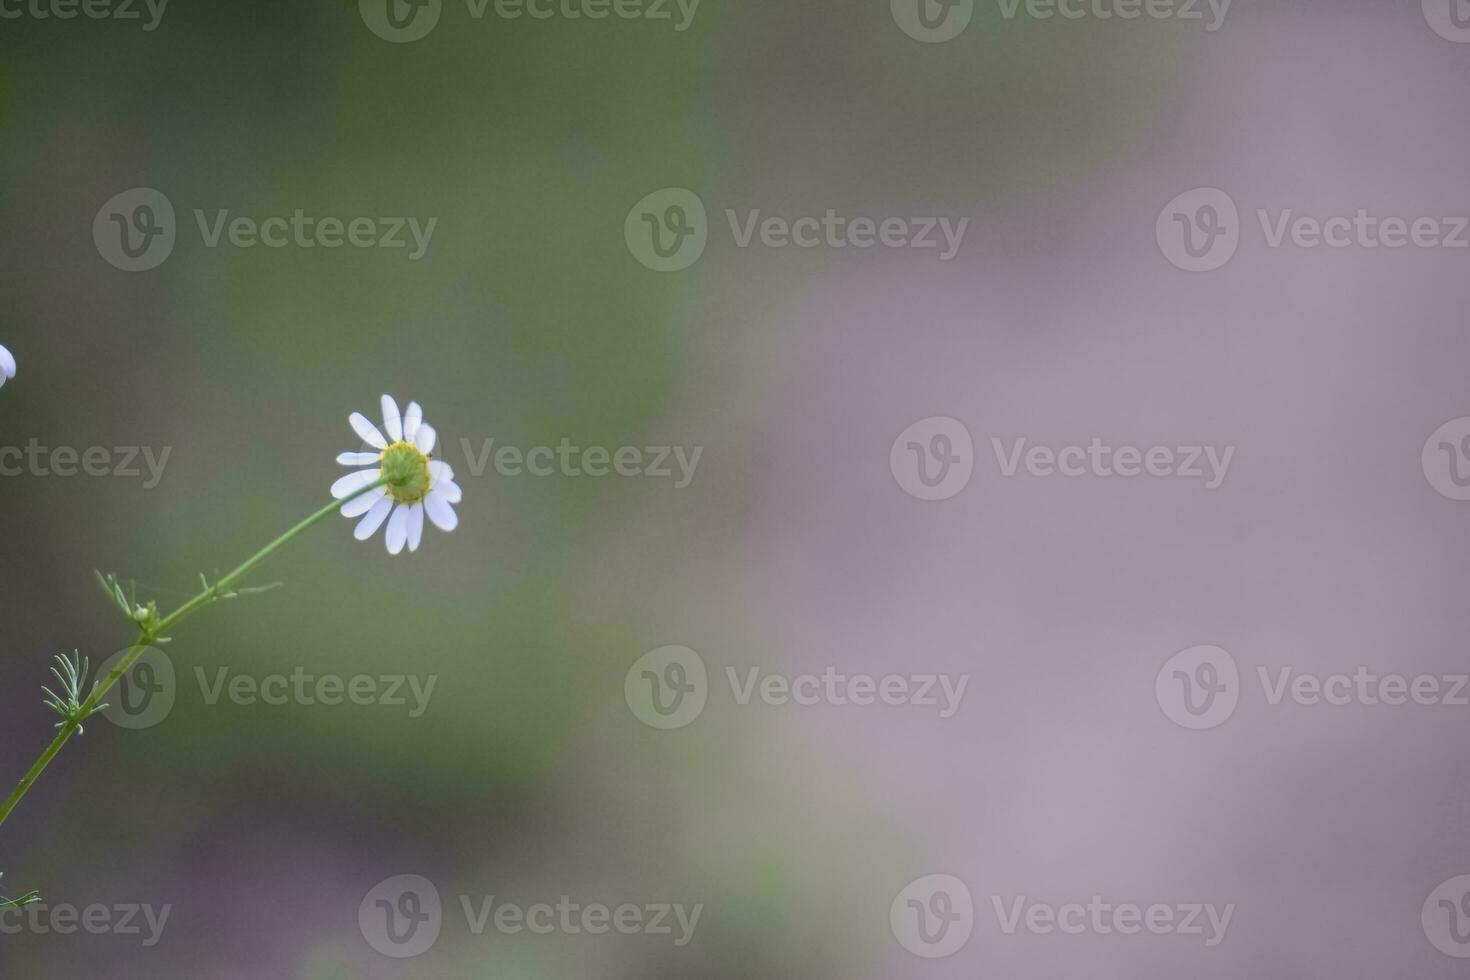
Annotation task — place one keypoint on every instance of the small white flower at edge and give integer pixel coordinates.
(417, 484)
(7, 366)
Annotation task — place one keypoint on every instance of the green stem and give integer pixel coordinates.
(146, 638)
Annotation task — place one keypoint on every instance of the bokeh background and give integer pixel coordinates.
(794, 549)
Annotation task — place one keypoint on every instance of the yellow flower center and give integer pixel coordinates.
(407, 472)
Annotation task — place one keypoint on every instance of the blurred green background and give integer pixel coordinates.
(528, 321)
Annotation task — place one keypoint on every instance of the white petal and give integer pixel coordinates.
(361, 505)
(7, 364)
(411, 420)
(358, 459)
(440, 471)
(353, 482)
(392, 424)
(415, 526)
(2, 381)
(449, 490)
(439, 511)
(374, 519)
(366, 431)
(423, 439)
(397, 530)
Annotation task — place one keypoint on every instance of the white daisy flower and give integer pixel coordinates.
(7, 366)
(417, 485)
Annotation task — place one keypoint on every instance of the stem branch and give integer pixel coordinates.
(146, 638)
